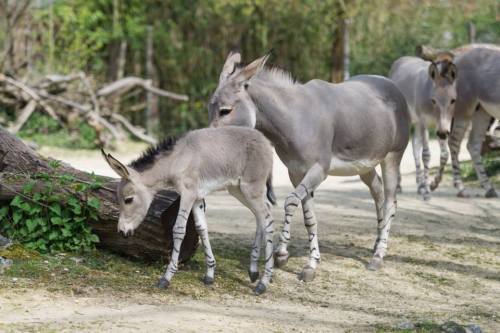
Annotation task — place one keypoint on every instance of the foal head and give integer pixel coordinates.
(133, 196)
(443, 74)
(231, 103)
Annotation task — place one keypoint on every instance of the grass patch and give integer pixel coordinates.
(491, 162)
(421, 327)
(435, 279)
(99, 271)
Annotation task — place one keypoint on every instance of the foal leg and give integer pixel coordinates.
(480, 124)
(374, 183)
(253, 270)
(416, 143)
(390, 167)
(201, 228)
(256, 198)
(179, 231)
(443, 147)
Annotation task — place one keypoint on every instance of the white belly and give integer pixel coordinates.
(351, 168)
(213, 185)
(492, 109)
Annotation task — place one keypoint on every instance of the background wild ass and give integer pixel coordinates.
(200, 162)
(320, 129)
(478, 99)
(429, 88)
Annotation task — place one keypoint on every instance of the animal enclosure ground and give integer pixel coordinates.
(443, 264)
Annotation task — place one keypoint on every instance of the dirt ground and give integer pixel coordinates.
(443, 264)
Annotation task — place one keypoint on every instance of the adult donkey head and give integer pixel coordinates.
(443, 73)
(132, 194)
(231, 103)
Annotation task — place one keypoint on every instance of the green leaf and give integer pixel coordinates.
(31, 224)
(55, 208)
(66, 232)
(56, 220)
(28, 187)
(17, 216)
(3, 212)
(17, 201)
(93, 238)
(53, 235)
(94, 203)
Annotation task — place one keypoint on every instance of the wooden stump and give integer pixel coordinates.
(151, 241)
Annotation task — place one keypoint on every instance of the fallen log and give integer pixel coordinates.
(151, 241)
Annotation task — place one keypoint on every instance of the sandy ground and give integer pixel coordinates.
(443, 264)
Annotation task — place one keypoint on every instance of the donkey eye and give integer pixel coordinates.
(128, 200)
(224, 111)
(452, 101)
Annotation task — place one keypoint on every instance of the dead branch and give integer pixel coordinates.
(23, 117)
(126, 84)
(132, 129)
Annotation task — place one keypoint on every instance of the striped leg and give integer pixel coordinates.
(201, 228)
(256, 200)
(179, 231)
(416, 143)
(281, 252)
(456, 136)
(442, 164)
(314, 176)
(374, 183)
(480, 124)
(424, 188)
(312, 230)
(390, 167)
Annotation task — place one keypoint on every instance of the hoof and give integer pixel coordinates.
(208, 281)
(491, 193)
(260, 289)
(280, 260)
(426, 196)
(375, 264)
(253, 276)
(463, 194)
(421, 189)
(307, 274)
(163, 283)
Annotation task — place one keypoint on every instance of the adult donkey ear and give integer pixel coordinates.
(116, 165)
(254, 68)
(452, 72)
(232, 60)
(433, 71)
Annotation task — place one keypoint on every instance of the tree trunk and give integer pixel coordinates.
(151, 241)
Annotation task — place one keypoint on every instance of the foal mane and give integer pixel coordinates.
(153, 152)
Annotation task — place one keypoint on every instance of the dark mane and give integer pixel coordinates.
(149, 156)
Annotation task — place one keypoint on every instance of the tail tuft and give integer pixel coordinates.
(270, 192)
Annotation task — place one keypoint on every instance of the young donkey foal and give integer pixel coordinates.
(200, 162)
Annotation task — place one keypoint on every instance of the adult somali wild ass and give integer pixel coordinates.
(430, 90)
(478, 99)
(200, 162)
(320, 129)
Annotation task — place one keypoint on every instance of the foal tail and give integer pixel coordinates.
(270, 192)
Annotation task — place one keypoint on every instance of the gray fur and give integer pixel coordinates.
(478, 99)
(202, 161)
(321, 129)
(430, 90)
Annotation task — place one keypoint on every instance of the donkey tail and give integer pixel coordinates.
(270, 191)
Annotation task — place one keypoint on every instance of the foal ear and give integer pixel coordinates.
(232, 60)
(433, 71)
(254, 67)
(452, 72)
(116, 165)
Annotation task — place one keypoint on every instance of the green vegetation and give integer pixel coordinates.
(192, 38)
(46, 220)
(491, 162)
(44, 130)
